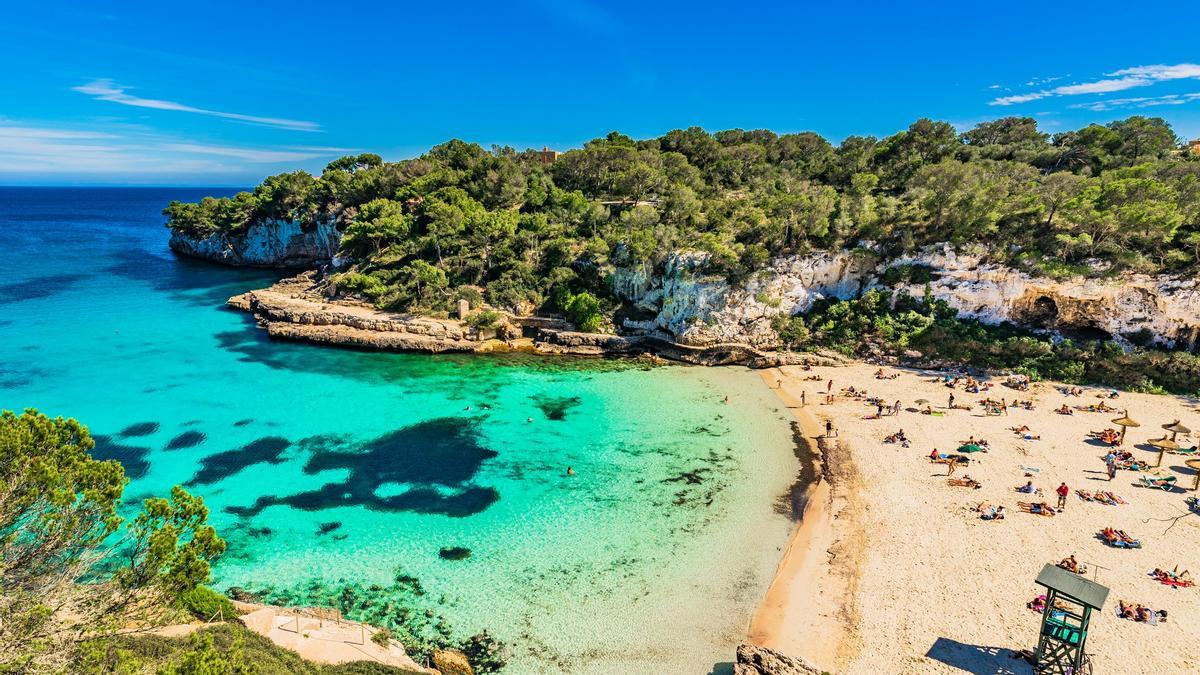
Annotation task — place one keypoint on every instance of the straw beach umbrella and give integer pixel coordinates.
(1176, 428)
(1125, 422)
(1163, 445)
(1194, 464)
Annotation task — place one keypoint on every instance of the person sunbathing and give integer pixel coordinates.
(994, 513)
(1125, 610)
(1065, 410)
(1069, 563)
(1027, 488)
(1042, 508)
(1021, 429)
(1038, 604)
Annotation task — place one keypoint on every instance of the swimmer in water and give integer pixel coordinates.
(570, 471)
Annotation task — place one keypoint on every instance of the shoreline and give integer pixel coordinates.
(802, 613)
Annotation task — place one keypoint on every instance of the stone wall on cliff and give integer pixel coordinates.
(273, 243)
(700, 309)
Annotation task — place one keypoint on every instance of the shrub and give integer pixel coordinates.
(204, 603)
(382, 637)
(584, 311)
(483, 319)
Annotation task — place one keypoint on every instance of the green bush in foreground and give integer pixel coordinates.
(223, 649)
(207, 605)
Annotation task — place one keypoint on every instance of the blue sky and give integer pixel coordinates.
(224, 93)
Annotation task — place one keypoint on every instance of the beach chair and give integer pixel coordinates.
(1160, 482)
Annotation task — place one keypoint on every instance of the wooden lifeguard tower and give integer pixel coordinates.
(1070, 600)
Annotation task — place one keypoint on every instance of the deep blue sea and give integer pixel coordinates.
(326, 467)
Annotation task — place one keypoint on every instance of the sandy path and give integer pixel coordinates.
(938, 589)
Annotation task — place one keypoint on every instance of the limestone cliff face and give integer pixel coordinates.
(275, 243)
(697, 309)
(701, 310)
(1164, 309)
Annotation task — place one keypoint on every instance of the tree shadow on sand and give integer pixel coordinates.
(978, 659)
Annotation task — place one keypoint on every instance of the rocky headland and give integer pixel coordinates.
(680, 312)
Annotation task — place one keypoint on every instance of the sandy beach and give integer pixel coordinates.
(890, 569)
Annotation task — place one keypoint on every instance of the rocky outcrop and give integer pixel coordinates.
(297, 309)
(1137, 307)
(693, 308)
(755, 660)
(274, 243)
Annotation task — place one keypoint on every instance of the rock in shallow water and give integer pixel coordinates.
(454, 553)
(452, 662)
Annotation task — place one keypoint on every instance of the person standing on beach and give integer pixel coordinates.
(803, 398)
(951, 399)
(829, 386)
(828, 428)
(951, 465)
(1110, 464)
(1062, 491)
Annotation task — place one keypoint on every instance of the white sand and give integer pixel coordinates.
(926, 586)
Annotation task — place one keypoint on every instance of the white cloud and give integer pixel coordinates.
(107, 90)
(1137, 102)
(1183, 71)
(27, 150)
(1120, 80)
(248, 154)
(1019, 98)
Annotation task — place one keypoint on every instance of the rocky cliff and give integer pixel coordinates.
(696, 309)
(689, 308)
(275, 243)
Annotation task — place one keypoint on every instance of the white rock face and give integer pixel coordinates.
(276, 243)
(1165, 308)
(698, 309)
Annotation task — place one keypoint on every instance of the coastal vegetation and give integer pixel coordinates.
(534, 231)
(530, 231)
(72, 570)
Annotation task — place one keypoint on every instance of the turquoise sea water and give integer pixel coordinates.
(342, 467)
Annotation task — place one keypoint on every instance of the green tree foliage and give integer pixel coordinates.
(69, 571)
(525, 232)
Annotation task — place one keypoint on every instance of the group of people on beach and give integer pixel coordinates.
(1114, 459)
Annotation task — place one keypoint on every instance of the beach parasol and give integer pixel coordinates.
(1176, 428)
(1124, 423)
(969, 447)
(1163, 445)
(1194, 464)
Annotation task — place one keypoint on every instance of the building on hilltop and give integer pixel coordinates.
(547, 155)
(1194, 146)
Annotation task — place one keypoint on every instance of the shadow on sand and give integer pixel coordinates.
(978, 659)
